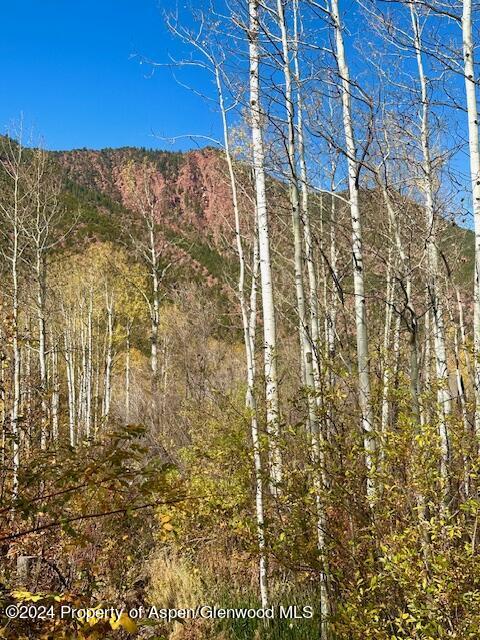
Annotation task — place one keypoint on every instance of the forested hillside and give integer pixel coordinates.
(240, 385)
(130, 433)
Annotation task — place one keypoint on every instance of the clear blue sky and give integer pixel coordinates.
(67, 67)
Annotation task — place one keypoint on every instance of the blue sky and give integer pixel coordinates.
(68, 68)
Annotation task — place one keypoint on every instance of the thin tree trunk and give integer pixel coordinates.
(444, 400)
(306, 352)
(15, 412)
(462, 401)
(461, 326)
(107, 385)
(357, 253)
(96, 398)
(82, 395)
(269, 328)
(70, 367)
(154, 333)
(89, 368)
(55, 391)
(473, 133)
(305, 339)
(386, 373)
(154, 312)
(305, 213)
(249, 327)
(332, 311)
(127, 371)
(410, 316)
(26, 390)
(428, 349)
(42, 361)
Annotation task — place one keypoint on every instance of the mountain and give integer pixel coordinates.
(192, 183)
(196, 215)
(194, 211)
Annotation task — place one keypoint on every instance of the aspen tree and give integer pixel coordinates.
(404, 39)
(331, 311)
(69, 355)
(304, 205)
(462, 400)
(39, 228)
(268, 308)
(474, 157)
(107, 381)
(353, 165)
(386, 373)
(306, 350)
(13, 209)
(82, 373)
(128, 334)
(89, 365)
(55, 399)
(145, 238)
(409, 314)
(433, 257)
(248, 313)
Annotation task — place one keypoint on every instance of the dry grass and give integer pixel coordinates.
(174, 582)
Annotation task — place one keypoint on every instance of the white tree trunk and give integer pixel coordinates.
(155, 321)
(55, 401)
(107, 384)
(42, 360)
(306, 350)
(269, 329)
(15, 412)
(70, 368)
(332, 310)
(410, 315)
(305, 339)
(304, 209)
(89, 368)
(357, 252)
(82, 393)
(249, 327)
(154, 305)
(436, 305)
(96, 397)
(127, 371)
(473, 132)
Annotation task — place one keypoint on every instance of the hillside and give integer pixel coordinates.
(145, 434)
(240, 384)
(193, 208)
(196, 213)
(192, 186)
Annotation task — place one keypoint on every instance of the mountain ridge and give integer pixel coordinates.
(195, 212)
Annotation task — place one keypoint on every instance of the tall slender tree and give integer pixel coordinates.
(268, 307)
(474, 156)
(354, 168)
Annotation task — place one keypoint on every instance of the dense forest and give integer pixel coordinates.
(240, 385)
